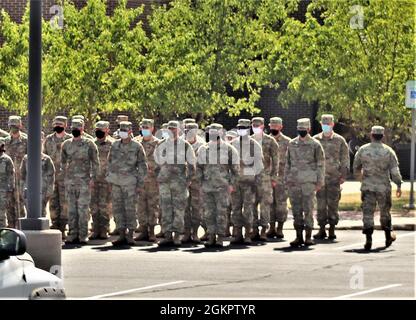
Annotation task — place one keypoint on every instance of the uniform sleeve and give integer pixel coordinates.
(394, 169)
(191, 162)
(258, 159)
(274, 149)
(320, 164)
(200, 164)
(141, 166)
(23, 174)
(10, 175)
(345, 159)
(64, 159)
(357, 165)
(234, 166)
(95, 163)
(287, 165)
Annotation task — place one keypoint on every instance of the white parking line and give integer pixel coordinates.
(119, 293)
(368, 291)
(377, 241)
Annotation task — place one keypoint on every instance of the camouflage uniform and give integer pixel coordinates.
(337, 162)
(230, 136)
(82, 118)
(80, 165)
(148, 202)
(278, 211)
(175, 169)
(374, 163)
(119, 119)
(193, 212)
(217, 170)
(126, 172)
(7, 183)
(16, 148)
(251, 169)
(48, 179)
(52, 146)
(3, 134)
(101, 191)
(264, 189)
(304, 170)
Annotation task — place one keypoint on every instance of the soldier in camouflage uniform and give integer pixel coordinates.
(175, 169)
(101, 191)
(52, 147)
(3, 134)
(337, 163)
(251, 169)
(217, 170)
(374, 163)
(120, 118)
(148, 203)
(80, 166)
(193, 212)
(127, 170)
(278, 210)
(304, 175)
(48, 179)
(16, 148)
(7, 182)
(264, 189)
(82, 118)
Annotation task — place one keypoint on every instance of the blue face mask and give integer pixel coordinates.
(146, 132)
(326, 128)
(165, 134)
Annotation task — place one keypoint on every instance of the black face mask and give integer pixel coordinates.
(58, 129)
(76, 133)
(99, 134)
(302, 133)
(274, 132)
(377, 137)
(206, 137)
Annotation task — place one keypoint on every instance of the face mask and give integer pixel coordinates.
(14, 129)
(326, 128)
(302, 133)
(146, 133)
(76, 133)
(257, 130)
(274, 132)
(242, 132)
(123, 134)
(99, 134)
(377, 137)
(58, 129)
(165, 134)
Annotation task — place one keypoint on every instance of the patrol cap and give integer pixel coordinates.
(188, 120)
(15, 121)
(78, 116)
(147, 123)
(377, 130)
(327, 119)
(276, 120)
(60, 119)
(164, 126)
(102, 125)
(126, 125)
(231, 134)
(191, 126)
(243, 123)
(257, 121)
(215, 126)
(173, 124)
(121, 118)
(304, 123)
(77, 124)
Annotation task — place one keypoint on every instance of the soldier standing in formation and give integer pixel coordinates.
(148, 202)
(16, 148)
(374, 163)
(304, 175)
(7, 183)
(101, 191)
(80, 166)
(268, 179)
(175, 169)
(337, 163)
(127, 169)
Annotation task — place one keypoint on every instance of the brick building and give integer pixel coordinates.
(268, 102)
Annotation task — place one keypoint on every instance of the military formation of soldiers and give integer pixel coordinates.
(183, 178)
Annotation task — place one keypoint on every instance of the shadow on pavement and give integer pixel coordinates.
(112, 248)
(72, 246)
(210, 249)
(154, 249)
(363, 251)
(291, 249)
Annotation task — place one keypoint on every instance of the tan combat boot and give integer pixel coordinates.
(177, 239)
(248, 235)
(238, 236)
(152, 237)
(129, 238)
(115, 232)
(121, 240)
(321, 234)
(263, 236)
(72, 238)
(390, 237)
(279, 230)
(95, 234)
(143, 234)
(220, 241)
(211, 240)
(167, 240)
(194, 237)
(308, 237)
(186, 236)
(254, 234)
(103, 234)
(299, 239)
(205, 236)
(83, 240)
(272, 230)
(161, 234)
(331, 233)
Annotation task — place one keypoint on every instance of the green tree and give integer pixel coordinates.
(355, 66)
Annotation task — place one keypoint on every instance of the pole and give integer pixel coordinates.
(33, 221)
(412, 162)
